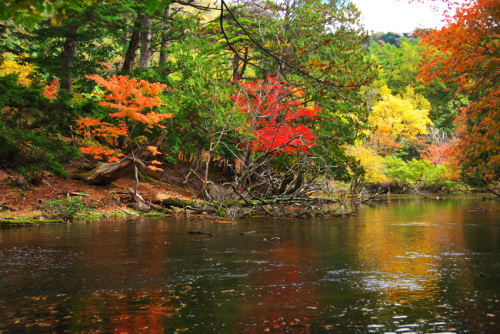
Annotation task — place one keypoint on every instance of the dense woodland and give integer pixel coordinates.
(262, 102)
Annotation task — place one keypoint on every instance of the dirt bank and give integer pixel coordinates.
(17, 201)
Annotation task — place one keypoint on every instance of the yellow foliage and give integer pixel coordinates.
(372, 163)
(401, 116)
(11, 66)
(384, 91)
(417, 101)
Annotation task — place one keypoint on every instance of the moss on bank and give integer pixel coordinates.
(17, 222)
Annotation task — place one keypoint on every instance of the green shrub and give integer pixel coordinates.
(31, 126)
(28, 151)
(417, 175)
(65, 209)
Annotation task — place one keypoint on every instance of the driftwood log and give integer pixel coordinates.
(175, 202)
(109, 172)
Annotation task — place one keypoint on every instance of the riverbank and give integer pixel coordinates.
(22, 205)
(26, 202)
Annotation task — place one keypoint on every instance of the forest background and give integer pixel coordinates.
(263, 99)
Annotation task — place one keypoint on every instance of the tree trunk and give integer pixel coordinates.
(205, 176)
(109, 172)
(145, 41)
(132, 48)
(124, 36)
(164, 42)
(244, 65)
(236, 64)
(237, 74)
(68, 58)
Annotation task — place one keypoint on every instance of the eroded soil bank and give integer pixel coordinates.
(26, 202)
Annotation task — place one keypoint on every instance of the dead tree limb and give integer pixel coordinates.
(129, 213)
(109, 172)
(176, 202)
(162, 209)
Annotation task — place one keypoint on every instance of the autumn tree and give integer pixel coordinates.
(399, 67)
(399, 118)
(276, 164)
(134, 103)
(248, 42)
(465, 52)
(276, 125)
(373, 169)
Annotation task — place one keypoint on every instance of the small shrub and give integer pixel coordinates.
(417, 175)
(33, 151)
(65, 209)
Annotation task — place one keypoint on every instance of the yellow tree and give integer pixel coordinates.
(372, 163)
(399, 118)
(13, 67)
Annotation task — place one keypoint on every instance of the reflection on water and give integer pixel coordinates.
(399, 266)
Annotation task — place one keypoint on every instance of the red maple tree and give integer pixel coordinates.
(275, 115)
(465, 53)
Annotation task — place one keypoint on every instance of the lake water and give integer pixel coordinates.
(406, 266)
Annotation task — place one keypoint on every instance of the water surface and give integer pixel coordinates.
(409, 265)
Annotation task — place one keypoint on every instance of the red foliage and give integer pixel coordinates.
(274, 120)
(465, 53)
(436, 154)
(51, 90)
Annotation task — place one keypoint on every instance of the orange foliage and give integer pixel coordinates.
(446, 155)
(452, 164)
(51, 90)
(436, 154)
(153, 149)
(134, 101)
(383, 140)
(466, 53)
(132, 97)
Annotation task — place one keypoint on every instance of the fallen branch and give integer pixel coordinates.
(136, 194)
(176, 202)
(200, 209)
(139, 207)
(109, 172)
(76, 193)
(129, 213)
(159, 208)
(48, 185)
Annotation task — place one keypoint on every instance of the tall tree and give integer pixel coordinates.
(133, 45)
(317, 47)
(466, 52)
(78, 46)
(145, 40)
